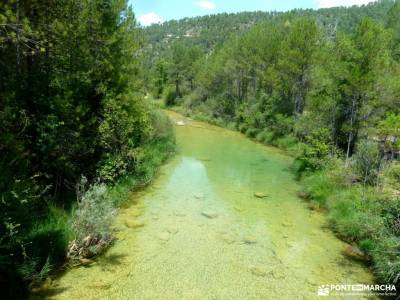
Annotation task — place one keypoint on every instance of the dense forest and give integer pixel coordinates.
(324, 85)
(76, 133)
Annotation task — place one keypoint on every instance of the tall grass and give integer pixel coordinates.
(368, 216)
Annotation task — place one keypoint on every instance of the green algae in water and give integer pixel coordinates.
(203, 234)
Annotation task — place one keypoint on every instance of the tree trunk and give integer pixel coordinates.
(177, 88)
(351, 134)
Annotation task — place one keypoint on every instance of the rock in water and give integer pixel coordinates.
(355, 253)
(173, 229)
(260, 271)
(135, 213)
(133, 224)
(260, 195)
(227, 239)
(180, 123)
(199, 196)
(210, 214)
(249, 240)
(85, 261)
(164, 236)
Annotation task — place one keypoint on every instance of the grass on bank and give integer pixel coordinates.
(365, 215)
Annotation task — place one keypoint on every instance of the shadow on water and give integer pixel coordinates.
(111, 260)
(48, 293)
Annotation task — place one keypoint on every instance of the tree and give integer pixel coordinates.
(393, 22)
(296, 60)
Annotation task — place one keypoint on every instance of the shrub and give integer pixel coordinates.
(126, 125)
(161, 125)
(91, 221)
(169, 96)
(251, 132)
(319, 186)
(265, 136)
(242, 127)
(391, 177)
(286, 142)
(387, 260)
(283, 125)
(367, 162)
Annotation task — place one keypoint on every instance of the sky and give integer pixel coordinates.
(158, 11)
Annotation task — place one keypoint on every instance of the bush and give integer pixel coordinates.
(319, 186)
(387, 260)
(265, 136)
(355, 214)
(286, 142)
(391, 177)
(169, 96)
(91, 222)
(242, 127)
(125, 126)
(367, 162)
(161, 126)
(251, 132)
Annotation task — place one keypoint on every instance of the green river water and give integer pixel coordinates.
(198, 232)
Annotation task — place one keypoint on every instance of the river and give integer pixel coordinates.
(199, 232)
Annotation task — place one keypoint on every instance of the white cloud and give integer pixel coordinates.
(206, 4)
(150, 18)
(333, 3)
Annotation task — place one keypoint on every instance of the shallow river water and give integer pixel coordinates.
(198, 232)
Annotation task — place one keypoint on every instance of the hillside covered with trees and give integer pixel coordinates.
(324, 85)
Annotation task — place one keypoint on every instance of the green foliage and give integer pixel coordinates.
(367, 162)
(319, 186)
(265, 136)
(170, 96)
(125, 126)
(93, 216)
(251, 132)
(288, 142)
(362, 215)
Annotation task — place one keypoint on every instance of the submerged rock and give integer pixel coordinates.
(260, 195)
(249, 240)
(210, 214)
(238, 209)
(173, 229)
(355, 253)
(227, 239)
(164, 236)
(135, 212)
(180, 214)
(260, 271)
(133, 223)
(304, 195)
(199, 196)
(85, 261)
(286, 224)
